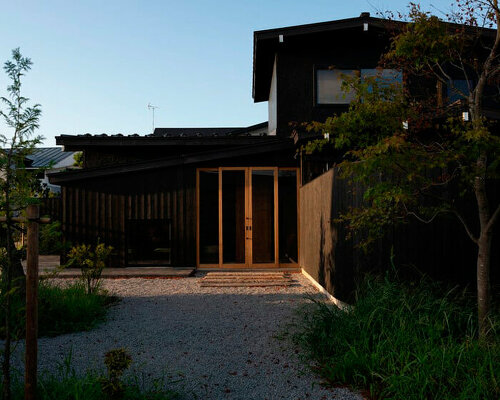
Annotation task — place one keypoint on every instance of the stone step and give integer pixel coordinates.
(244, 284)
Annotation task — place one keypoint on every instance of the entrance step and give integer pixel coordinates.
(246, 279)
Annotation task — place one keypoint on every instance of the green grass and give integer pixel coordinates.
(404, 341)
(70, 309)
(62, 310)
(67, 385)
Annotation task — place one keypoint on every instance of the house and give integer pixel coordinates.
(50, 160)
(205, 197)
(243, 197)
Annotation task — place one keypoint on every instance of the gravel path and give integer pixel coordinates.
(221, 340)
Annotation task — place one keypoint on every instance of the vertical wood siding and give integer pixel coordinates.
(100, 210)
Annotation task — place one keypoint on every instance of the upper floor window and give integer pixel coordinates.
(329, 83)
(384, 76)
(329, 86)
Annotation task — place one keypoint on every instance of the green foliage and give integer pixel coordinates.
(116, 361)
(91, 260)
(78, 157)
(418, 172)
(61, 309)
(15, 180)
(375, 114)
(16, 185)
(404, 341)
(70, 308)
(426, 40)
(66, 384)
(50, 238)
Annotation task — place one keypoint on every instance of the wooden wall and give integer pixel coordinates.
(296, 61)
(441, 250)
(51, 206)
(100, 209)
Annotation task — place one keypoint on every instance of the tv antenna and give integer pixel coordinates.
(152, 108)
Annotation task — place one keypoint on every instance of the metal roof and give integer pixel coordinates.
(47, 156)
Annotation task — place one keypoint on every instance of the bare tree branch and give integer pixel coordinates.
(465, 225)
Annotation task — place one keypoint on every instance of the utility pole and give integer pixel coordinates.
(33, 215)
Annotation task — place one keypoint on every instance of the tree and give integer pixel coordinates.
(15, 187)
(419, 153)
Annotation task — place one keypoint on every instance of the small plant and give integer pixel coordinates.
(117, 361)
(91, 261)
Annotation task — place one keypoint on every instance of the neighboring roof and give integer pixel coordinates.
(172, 137)
(47, 156)
(272, 144)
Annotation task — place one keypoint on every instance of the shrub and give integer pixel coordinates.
(404, 341)
(91, 261)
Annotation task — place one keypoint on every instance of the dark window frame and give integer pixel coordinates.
(336, 106)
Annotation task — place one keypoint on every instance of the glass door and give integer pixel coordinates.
(234, 215)
(263, 216)
(247, 217)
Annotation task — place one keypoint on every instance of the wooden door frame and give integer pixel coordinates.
(247, 208)
(248, 216)
(274, 264)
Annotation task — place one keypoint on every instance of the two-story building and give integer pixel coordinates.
(233, 198)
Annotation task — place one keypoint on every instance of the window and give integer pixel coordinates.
(384, 76)
(329, 86)
(329, 83)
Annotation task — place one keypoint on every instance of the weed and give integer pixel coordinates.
(410, 341)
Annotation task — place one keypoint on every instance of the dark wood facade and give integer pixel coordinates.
(108, 202)
(102, 208)
(290, 56)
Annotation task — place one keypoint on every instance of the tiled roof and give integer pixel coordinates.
(176, 132)
(210, 132)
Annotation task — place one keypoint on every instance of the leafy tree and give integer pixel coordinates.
(15, 187)
(420, 152)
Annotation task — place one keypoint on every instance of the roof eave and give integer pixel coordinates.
(185, 159)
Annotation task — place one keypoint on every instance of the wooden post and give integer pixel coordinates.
(30, 378)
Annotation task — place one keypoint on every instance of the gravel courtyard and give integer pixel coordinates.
(220, 340)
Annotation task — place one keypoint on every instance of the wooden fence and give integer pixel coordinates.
(441, 249)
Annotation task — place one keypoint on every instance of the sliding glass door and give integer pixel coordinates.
(247, 217)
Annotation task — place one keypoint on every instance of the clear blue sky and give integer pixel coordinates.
(97, 64)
